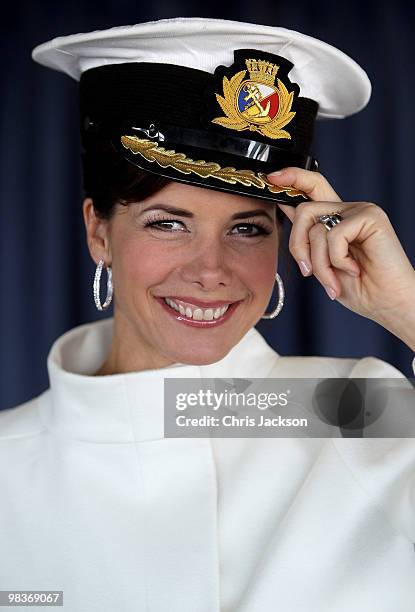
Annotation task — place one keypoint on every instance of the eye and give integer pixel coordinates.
(248, 227)
(165, 224)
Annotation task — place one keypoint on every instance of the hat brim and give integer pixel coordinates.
(206, 169)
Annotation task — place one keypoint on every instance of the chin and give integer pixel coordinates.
(200, 355)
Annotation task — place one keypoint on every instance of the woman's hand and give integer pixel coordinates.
(360, 259)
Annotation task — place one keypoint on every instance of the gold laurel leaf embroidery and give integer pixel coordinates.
(226, 89)
(222, 103)
(230, 123)
(284, 115)
(285, 99)
(272, 132)
(278, 189)
(230, 87)
(233, 119)
(230, 111)
(152, 152)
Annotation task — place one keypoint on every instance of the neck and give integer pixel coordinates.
(129, 351)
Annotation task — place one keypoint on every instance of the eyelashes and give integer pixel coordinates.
(157, 223)
(160, 223)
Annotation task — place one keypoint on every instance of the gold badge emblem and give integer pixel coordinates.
(256, 103)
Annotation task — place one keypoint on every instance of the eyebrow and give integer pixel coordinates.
(186, 213)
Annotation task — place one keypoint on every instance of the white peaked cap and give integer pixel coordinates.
(323, 72)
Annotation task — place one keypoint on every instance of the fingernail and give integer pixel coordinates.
(277, 173)
(330, 292)
(354, 273)
(305, 269)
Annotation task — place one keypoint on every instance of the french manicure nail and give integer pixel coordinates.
(330, 292)
(304, 268)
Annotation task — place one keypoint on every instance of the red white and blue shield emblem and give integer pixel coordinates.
(257, 102)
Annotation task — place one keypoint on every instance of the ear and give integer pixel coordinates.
(97, 232)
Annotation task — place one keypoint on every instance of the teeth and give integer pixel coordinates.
(171, 303)
(198, 314)
(208, 314)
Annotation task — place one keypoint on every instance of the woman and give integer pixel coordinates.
(97, 502)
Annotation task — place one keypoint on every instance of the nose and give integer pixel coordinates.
(208, 265)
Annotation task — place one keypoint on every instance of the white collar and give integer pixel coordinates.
(126, 407)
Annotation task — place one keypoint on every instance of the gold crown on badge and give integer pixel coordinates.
(262, 71)
(256, 103)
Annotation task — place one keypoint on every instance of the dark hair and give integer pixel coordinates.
(109, 179)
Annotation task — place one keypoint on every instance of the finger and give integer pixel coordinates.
(313, 184)
(305, 217)
(302, 247)
(338, 242)
(321, 263)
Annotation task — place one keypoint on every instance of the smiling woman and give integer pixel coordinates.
(196, 147)
(176, 241)
(176, 248)
(201, 256)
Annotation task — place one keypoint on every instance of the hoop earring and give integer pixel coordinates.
(97, 286)
(281, 295)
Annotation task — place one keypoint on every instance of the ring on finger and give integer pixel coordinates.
(329, 221)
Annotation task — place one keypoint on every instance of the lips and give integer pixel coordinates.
(194, 316)
(192, 311)
(195, 302)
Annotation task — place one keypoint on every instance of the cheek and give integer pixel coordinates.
(260, 264)
(264, 280)
(139, 264)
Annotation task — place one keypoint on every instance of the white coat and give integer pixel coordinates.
(94, 500)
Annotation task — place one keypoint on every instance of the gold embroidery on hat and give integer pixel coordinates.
(266, 108)
(153, 152)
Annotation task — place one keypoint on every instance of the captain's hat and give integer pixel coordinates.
(210, 102)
